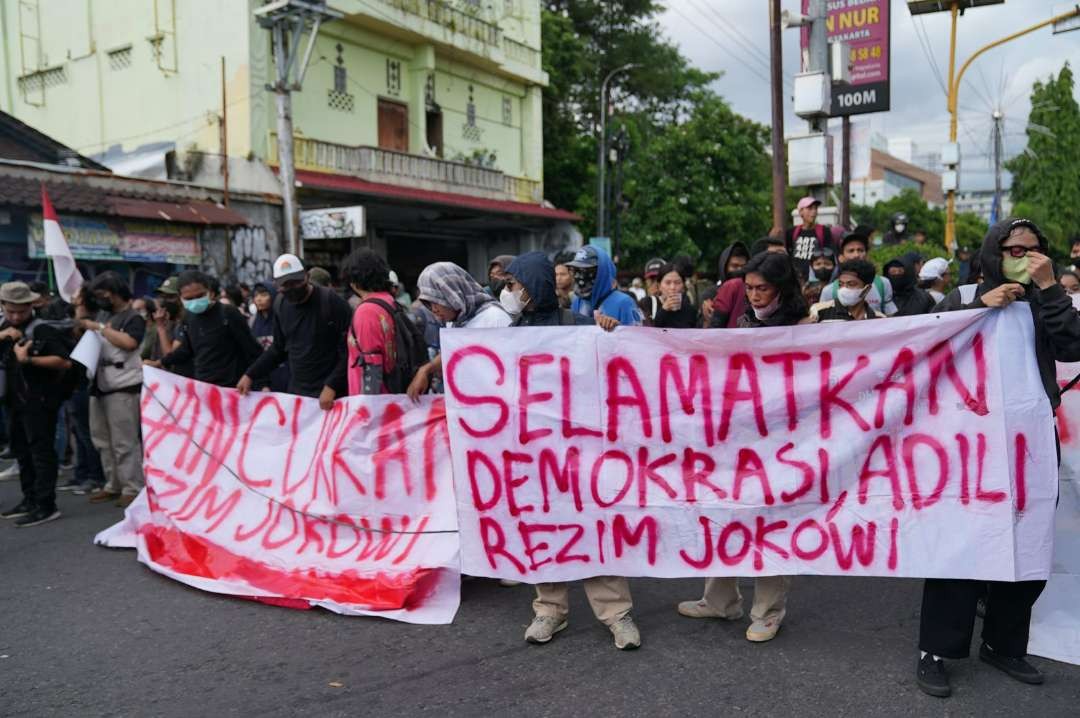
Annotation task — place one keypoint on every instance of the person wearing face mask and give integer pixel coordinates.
(214, 338)
(729, 304)
(676, 310)
(497, 274)
(909, 299)
(856, 245)
(166, 327)
(1070, 282)
(114, 395)
(310, 326)
(935, 277)
(898, 229)
(854, 279)
(596, 293)
(774, 299)
(1015, 268)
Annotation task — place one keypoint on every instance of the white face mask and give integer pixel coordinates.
(769, 309)
(511, 301)
(850, 297)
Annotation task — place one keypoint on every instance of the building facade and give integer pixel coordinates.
(425, 112)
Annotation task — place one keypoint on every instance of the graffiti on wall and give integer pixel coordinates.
(252, 260)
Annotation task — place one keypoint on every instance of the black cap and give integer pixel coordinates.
(653, 266)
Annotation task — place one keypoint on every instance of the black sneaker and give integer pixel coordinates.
(932, 678)
(1018, 668)
(36, 517)
(21, 509)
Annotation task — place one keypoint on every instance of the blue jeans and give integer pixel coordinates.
(88, 461)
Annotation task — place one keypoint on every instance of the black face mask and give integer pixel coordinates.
(172, 307)
(823, 274)
(496, 286)
(584, 279)
(296, 294)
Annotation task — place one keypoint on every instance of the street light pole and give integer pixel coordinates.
(602, 149)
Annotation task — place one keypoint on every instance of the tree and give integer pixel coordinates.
(700, 185)
(1046, 175)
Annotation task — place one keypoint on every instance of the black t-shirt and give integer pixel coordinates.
(218, 342)
(26, 383)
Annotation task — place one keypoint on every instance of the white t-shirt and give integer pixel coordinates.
(491, 316)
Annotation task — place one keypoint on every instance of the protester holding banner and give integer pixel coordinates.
(33, 393)
(114, 396)
(261, 323)
(854, 281)
(371, 331)
(310, 324)
(909, 299)
(531, 279)
(1015, 268)
(856, 245)
(729, 305)
(596, 292)
(774, 299)
(214, 337)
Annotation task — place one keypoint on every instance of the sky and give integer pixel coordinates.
(732, 36)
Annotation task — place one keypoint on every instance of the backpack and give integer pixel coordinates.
(410, 348)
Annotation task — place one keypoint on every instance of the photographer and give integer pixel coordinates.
(34, 357)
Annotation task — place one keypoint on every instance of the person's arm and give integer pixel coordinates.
(181, 354)
(340, 315)
(422, 380)
(119, 339)
(270, 359)
(22, 354)
(724, 302)
(245, 340)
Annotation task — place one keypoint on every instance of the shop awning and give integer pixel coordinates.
(344, 183)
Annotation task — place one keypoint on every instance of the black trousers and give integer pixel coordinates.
(948, 615)
(32, 428)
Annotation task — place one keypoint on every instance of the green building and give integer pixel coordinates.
(427, 113)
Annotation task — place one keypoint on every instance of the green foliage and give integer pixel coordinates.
(911, 203)
(881, 256)
(1046, 176)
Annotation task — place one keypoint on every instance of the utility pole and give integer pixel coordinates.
(779, 150)
(845, 173)
(224, 137)
(620, 146)
(601, 215)
(999, 116)
(287, 21)
(818, 61)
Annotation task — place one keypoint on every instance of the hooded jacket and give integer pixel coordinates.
(1057, 323)
(535, 272)
(725, 256)
(606, 297)
(908, 298)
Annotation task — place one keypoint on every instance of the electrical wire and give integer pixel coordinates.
(755, 71)
(753, 52)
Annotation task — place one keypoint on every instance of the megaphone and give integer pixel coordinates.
(789, 19)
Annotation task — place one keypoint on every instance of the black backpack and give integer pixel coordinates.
(410, 349)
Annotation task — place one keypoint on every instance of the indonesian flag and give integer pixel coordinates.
(68, 279)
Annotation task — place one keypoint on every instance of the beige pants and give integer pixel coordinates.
(770, 597)
(609, 597)
(114, 429)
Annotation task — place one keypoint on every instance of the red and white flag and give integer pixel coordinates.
(68, 278)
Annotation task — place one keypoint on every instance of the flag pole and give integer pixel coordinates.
(52, 277)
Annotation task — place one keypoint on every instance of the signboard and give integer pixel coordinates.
(864, 26)
(332, 223)
(920, 447)
(101, 239)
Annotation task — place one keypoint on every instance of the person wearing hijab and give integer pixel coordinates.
(456, 300)
(1015, 268)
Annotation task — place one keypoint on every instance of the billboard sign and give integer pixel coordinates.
(864, 26)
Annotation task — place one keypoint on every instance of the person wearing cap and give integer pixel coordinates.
(116, 391)
(934, 277)
(167, 323)
(596, 293)
(650, 304)
(808, 236)
(310, 325)
(497, 274)
(564, 279)
(1015, 268)
(898, 229)
(854, 279)
(319, 277)
(261, 323)
(397, 290)
(214, 337)
(33, 361)
(856, 245)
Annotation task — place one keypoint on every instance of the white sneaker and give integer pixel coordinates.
(626, 633)
(761, 631)
(11, 472)
(700, 609)
(543, 628)
(509, 582)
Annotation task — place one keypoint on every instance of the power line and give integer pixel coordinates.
(723, 47)
(928, 53)
(753, 52)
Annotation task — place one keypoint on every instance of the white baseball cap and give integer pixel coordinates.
(393, 278)
(934, 268)
(286, 267)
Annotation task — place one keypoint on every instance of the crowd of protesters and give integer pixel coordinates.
(296, 333)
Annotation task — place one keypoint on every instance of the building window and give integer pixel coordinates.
(902, 182)
(339, 71)
(120, 58)
(339, 98)
(42, 79)
(393, 77)
(508, 111)
(429, 93)
(470, 110)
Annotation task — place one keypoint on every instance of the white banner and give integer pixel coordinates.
(268, 496)
(919, 446)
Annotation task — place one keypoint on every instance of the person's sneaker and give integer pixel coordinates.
(509, 582)
(6, 454)
(1018, 668)
(10, 473)
(125, 500)
(85, 487)
(761, 631)
(626, 634)
(543, 628)
(72, 485)
(932, 678)
(17, 511)
(980, 607)
(37, 517)
(700, 609)
(101, 496)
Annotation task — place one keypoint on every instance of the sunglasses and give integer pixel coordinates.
(1017, 251)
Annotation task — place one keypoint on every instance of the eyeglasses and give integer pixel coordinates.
(1018, 251)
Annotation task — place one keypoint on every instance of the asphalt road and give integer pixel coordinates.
(89, 631)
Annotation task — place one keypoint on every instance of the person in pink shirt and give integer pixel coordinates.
(371, 332)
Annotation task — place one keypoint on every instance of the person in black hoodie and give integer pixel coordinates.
(1015, 268)
(773, 292)
(676, 310)
(732, 261)
(533, 300)
(909, 299)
